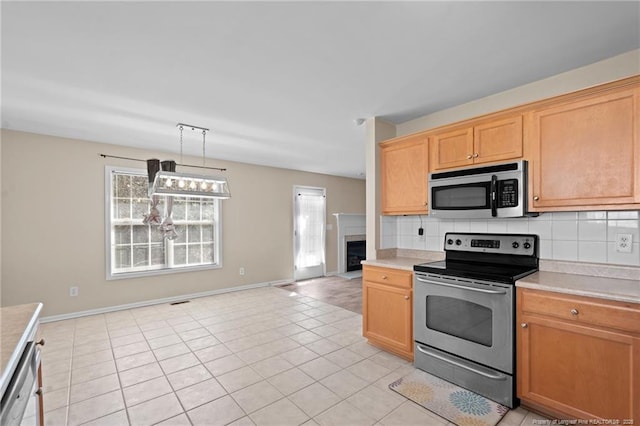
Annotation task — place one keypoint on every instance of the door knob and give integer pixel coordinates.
(524, 325)
(536, 198)
(475, 155)
(469, 157)
(574, 312)
(40, 342)
(406, 297)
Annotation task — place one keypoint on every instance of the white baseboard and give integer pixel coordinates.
(104, 310)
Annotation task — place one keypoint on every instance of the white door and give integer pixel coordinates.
(309, 212)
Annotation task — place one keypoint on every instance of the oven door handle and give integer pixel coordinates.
(463, 287)
(493, 376)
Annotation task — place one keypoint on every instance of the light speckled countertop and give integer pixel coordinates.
(611, 282)
(583, 285)
(403, 259)
(17, 326)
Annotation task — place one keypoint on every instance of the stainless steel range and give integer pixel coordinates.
(464, 311)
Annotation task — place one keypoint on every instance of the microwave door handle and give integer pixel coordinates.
(493, 195)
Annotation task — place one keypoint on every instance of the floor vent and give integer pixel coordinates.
(180, 303)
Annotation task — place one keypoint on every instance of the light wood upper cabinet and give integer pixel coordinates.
(586, 153)
(452, 149)
(491, 141)
(578, 357)
(404, 173)
(387, 309)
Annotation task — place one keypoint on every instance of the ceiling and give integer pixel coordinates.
(281, 83)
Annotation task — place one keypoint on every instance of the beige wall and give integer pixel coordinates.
(53, 236)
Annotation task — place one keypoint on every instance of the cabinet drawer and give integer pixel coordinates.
(389, 276)
(583, 310)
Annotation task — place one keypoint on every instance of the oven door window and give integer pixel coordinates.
(469, 196)
(460, 318)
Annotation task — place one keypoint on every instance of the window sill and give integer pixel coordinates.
(164, 271)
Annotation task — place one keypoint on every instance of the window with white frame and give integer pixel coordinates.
(135, 248)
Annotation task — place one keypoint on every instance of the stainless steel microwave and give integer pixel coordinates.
(499, 190)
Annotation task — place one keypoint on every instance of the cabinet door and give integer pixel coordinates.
(404, 173)
(586, 153)
(387, 316)
(498, 140)
(576, 371)
(452, 149)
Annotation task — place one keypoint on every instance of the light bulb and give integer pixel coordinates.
(192, 185)
(181, 183)
(203, 185)
(168, 183)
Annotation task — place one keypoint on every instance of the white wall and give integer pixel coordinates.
(53, 227)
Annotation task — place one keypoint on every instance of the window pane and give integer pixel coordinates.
(140, 187)
(207, 233)
(122, 186)
(208, 210)
(182, 234)
(157, 236)
(179, 209)
(140, 234)
(193, 210)
(193, 233)
(122, 257)
(207, 253)
(140, 256)
(122, 234)
(157, 254)
(179, 254)
(123, 208)
(194, 253)
(140, 208)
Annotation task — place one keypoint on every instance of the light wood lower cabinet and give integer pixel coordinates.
(387, 309)
(578, 357)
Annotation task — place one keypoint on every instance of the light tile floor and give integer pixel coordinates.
(263, 356)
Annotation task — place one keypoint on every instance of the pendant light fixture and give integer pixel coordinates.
(168, 182)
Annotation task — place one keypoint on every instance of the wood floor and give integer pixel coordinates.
(334, 290)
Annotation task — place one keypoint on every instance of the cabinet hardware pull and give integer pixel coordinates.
(524, 325)
(406, 297)
(469, 157)
(39, 391)
(574, 312)
(40, 342)
(384, 277)
(475, 155)
(536, 198)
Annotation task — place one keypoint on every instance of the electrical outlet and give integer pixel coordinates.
(624, 243)
(73, 291)
(242, 270)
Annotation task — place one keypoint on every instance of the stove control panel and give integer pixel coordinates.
(520, 244)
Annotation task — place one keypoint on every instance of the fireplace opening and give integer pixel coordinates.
(355, 253)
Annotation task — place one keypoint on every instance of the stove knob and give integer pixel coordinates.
(515, 244)
(527, 246)
(458, 242)
(449, 241)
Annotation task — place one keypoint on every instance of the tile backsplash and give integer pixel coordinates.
(574, 236)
